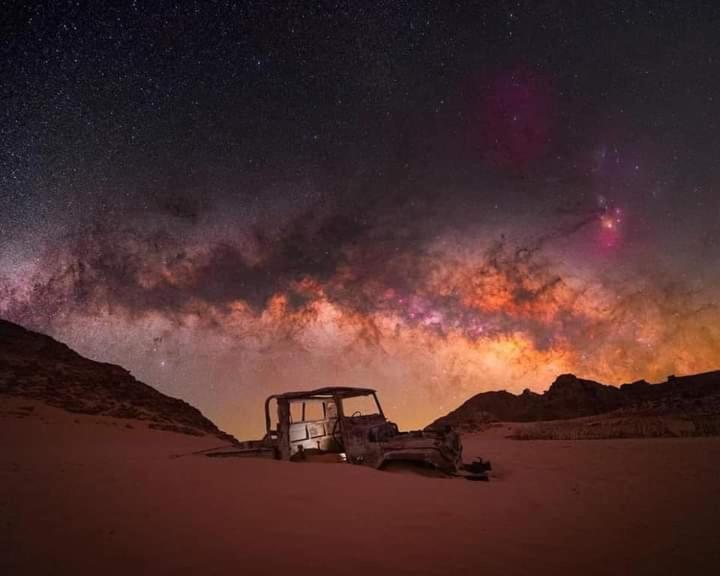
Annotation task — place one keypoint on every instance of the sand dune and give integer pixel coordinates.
(84, 494)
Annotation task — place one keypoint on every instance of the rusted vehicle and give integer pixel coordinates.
(348, 425)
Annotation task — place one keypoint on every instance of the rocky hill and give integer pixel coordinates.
(36, 366)
(572, 397)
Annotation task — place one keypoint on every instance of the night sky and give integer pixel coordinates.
(434, 199)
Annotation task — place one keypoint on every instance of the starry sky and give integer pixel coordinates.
(233, 199)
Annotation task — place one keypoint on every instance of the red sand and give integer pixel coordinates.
(85, 495)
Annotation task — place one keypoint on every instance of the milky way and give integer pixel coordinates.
(234, 201)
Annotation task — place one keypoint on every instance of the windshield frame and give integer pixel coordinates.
(374, 397)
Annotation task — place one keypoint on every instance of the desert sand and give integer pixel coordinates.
(83, 494)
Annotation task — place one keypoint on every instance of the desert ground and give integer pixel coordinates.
(84, 494)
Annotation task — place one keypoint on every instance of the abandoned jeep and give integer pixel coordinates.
(348, 425)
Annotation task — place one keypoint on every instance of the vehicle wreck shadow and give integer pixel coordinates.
(414, 468)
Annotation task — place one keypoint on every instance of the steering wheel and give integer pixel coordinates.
(356, 414)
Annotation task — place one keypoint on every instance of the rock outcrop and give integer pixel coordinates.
(572, 397)
(36, 366)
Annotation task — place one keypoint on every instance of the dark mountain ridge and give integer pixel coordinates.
(36, 366)
(572, 397)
